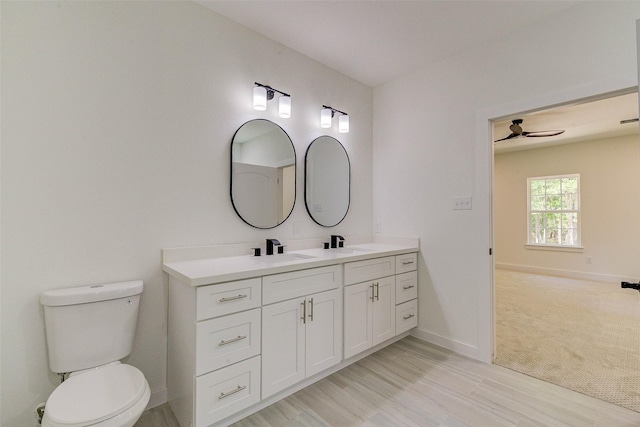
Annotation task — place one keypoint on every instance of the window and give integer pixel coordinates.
(554, 210)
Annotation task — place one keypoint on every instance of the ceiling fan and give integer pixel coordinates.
(517, 132)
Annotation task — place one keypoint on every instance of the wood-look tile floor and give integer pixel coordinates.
(412, 383)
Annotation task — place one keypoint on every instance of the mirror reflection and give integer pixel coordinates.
(263, 173)
(327, 181)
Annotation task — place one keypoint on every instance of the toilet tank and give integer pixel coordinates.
(89, 326)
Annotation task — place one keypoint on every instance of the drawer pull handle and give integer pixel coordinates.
(304, 312)
(234, 391)
(408, 287)
(232, 340)
(377, 291)
(373, 292)
(225, 299)
(407, 262)
(408, 317)
(311, 310)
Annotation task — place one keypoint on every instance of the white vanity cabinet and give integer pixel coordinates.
(369, 307)
(406, 292)
(383, 304)
(213, 350)
(244, 332)
(301, 336)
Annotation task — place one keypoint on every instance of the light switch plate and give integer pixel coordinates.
(461, 203)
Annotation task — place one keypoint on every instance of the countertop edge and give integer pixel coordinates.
(173, 268)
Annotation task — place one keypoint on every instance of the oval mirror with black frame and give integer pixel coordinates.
(327, 181)
(263, 174)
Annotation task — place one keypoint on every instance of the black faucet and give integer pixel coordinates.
(635, 286)
(334, 241)
(270, 244)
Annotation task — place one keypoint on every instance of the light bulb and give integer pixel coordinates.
(284, 106)
(259, 98)
(325, 117)
(343, 123)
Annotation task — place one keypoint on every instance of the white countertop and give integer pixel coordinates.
(208, 270)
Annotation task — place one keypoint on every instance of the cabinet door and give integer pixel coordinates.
(323, 331)
(384, 309)
(283, 362)
(357, 318)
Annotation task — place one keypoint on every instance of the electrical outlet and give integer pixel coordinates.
(589, 260)
(460, 203)
(378, 227)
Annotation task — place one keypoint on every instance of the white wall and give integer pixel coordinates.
(117, 119)
(432, 143)
(609, 201)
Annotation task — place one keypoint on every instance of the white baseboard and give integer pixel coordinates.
(157, 398)
(570, 274)
(448, 343)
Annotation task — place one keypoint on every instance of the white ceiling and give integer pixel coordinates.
(376, 42)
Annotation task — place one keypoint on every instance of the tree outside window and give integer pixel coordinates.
(554, 210)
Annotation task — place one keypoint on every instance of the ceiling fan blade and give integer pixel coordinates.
(513, 135)
(542, 133)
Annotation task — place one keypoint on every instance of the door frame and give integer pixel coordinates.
(484, 178)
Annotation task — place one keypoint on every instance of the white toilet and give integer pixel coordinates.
(89, 329)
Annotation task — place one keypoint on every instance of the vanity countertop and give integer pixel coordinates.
(217, 269)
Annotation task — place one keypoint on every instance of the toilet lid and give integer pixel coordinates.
(96, 395)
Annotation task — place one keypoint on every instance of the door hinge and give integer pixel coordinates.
(490, 251)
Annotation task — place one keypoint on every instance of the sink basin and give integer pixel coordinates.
(349, 250)
(280, 258)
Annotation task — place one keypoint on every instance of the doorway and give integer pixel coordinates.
(560, 314)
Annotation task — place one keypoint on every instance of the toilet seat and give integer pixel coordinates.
(97, 395)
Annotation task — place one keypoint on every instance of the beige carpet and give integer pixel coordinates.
(578, 334)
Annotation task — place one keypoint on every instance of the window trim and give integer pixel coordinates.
(553, 246)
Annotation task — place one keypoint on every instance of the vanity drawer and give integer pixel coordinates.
(281, 287)
(406, 286)
(407, 262)
(362, 271)
(223, 393)
(406, 316)
(227, 298)
(226, 340)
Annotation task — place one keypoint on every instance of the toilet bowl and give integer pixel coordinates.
(114, 395)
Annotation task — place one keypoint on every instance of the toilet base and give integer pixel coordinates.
(124, 419)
